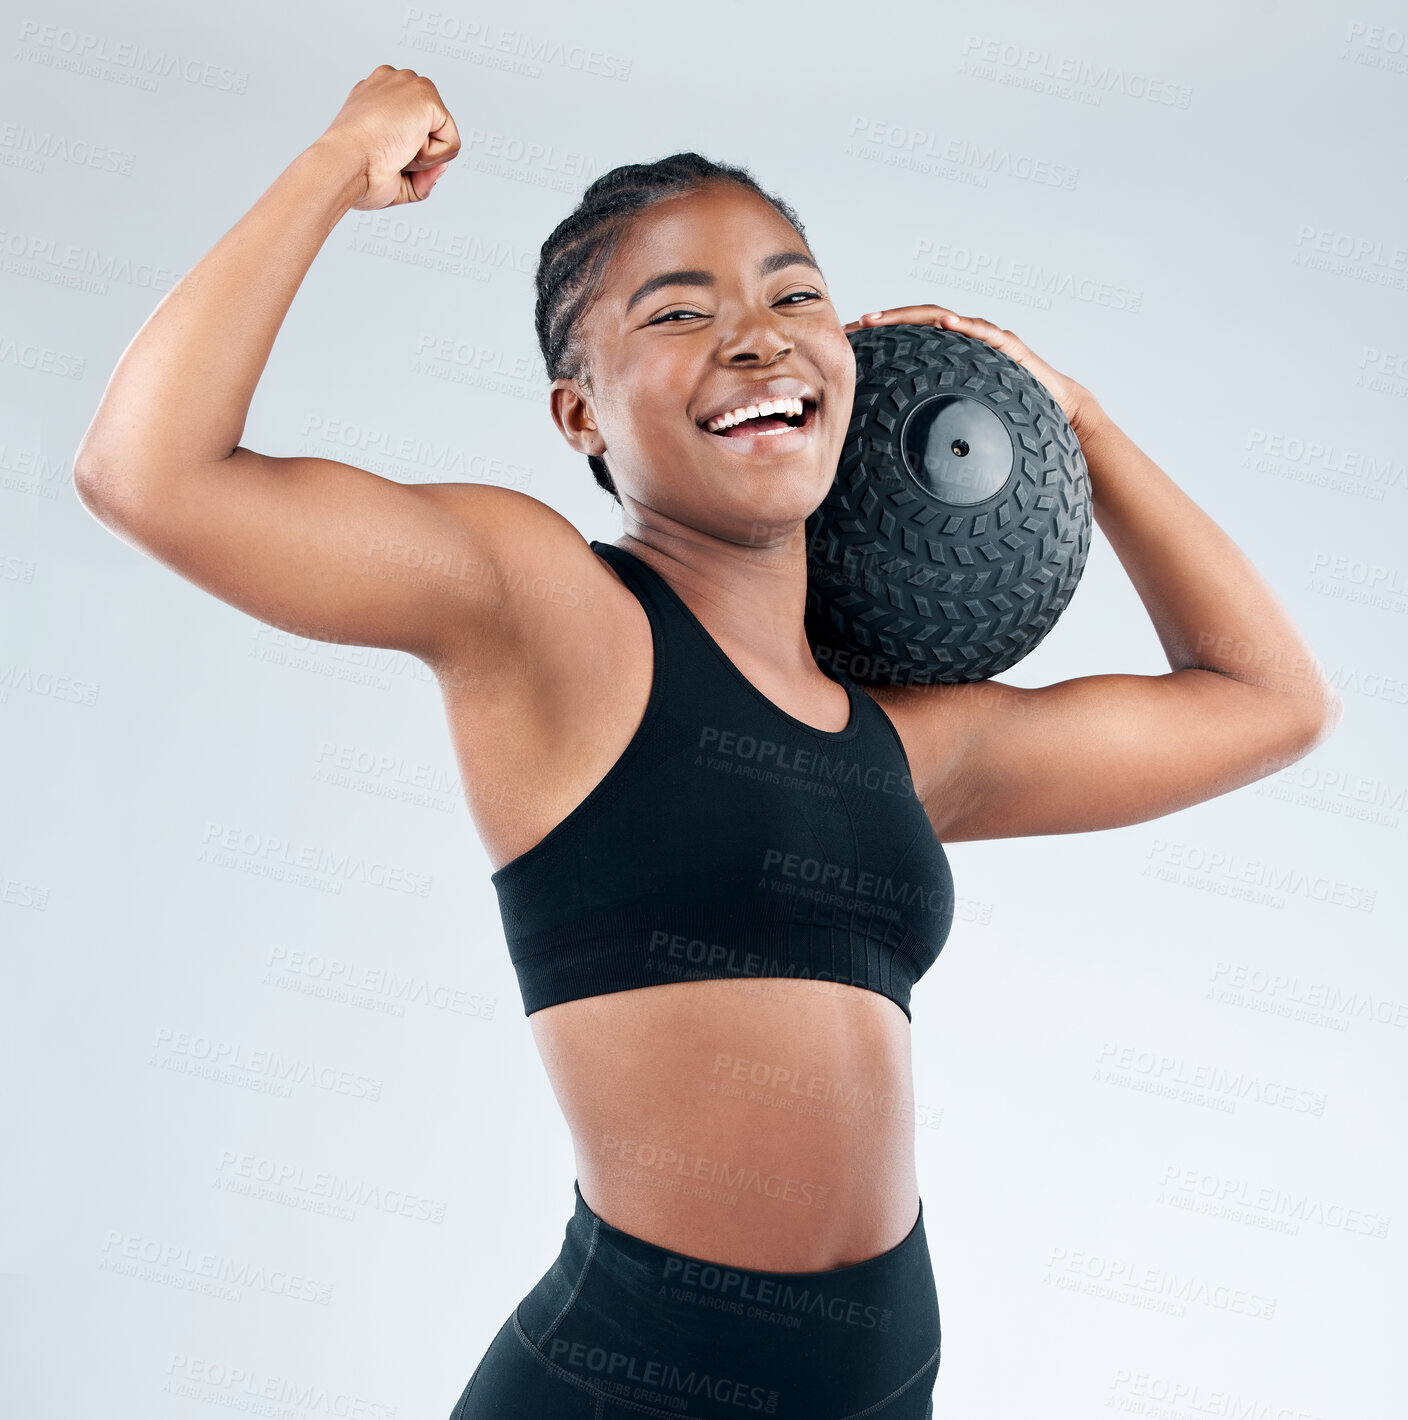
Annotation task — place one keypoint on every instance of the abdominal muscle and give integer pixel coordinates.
(761, 1123)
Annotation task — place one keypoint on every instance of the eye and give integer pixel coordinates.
(668, 316)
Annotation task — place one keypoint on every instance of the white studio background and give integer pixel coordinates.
(1158, 1070)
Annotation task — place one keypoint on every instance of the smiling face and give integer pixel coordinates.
(710, 302)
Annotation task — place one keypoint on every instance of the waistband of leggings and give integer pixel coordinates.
(664, 1333)
(896, 1261)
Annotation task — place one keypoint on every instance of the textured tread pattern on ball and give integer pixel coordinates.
(904, 589)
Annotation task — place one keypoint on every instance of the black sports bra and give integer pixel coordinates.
(730, 840)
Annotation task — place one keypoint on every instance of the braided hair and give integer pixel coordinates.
(573, 261)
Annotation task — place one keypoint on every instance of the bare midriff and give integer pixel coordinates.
(761, 1123)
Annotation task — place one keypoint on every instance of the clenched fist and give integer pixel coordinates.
(402, 133)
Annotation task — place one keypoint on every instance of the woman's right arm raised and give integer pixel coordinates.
(302, 543)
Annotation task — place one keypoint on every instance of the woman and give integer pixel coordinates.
(748, 1234)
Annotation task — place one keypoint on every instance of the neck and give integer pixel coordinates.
(750, 597)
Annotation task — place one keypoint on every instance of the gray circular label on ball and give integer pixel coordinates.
(957, 449)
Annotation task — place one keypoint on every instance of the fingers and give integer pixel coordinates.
(939, 316)
(433, 154)
(443, 141)
(919, 315)
(986, 330)
(1065, 391)
(905, 315)
(421, 182)
(441, 146)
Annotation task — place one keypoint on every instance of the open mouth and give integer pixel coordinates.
(770, 424)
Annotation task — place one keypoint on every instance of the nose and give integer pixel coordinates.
(757, 335)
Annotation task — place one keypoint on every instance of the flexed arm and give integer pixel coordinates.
(1245, 694)
(297, 542)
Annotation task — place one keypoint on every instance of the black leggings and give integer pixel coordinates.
(618, 1327)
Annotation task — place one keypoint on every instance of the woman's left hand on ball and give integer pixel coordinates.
(1077, 403)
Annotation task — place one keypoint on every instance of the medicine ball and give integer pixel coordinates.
(959, 520)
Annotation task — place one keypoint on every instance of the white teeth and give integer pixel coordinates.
(787, 405)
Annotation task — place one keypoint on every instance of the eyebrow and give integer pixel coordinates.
(696, 277)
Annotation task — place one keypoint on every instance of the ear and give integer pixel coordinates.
(574, 415)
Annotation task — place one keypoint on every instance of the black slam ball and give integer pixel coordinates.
(959, 520)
